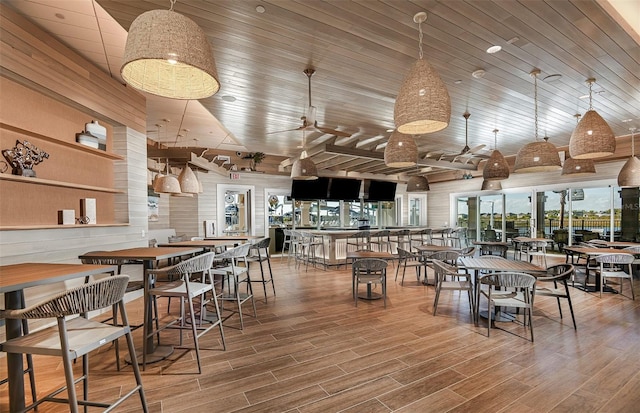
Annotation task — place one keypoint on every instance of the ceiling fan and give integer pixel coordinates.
(466, 152)
(309, 122)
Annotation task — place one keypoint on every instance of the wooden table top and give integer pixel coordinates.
(143, 253)
(17, 277)
(370, 254)
(615, 244)
(481, 243)
(595, 250)
(435, 248)
(496, 264)
(527, 239)
(233, 237)
(208, 243)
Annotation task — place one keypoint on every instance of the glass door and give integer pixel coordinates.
(417, 210)
(491, 208)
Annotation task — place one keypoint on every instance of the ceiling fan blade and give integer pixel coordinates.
(476, 148)
(331, 131)
(287, 130)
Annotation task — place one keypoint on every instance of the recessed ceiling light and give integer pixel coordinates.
(583, 97)
(552, 78)
(390, 130)
(494, 49)
(229, 98)
(457, 82)
(478, 74)
(260, 9)
(513, 40)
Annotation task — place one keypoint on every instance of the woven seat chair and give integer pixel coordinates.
(509, 289)
(188, 291)
(381, 239)
(411, 260)
(500, 250)
(77, 337)
(421, 237)
(449, 279)
(370, 271)
(259, 253)
(557, 274)
(613, 266)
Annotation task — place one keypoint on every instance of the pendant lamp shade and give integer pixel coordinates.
(183, 195)
(188, 181)
(417, 184)
(167, 54)
(629, 175)
(574, 166)
(497, 167)
(592, 137)
(304, 169)
(167, 184)
(491, 185)
(538, 156)
(401, 151)
(423, 104)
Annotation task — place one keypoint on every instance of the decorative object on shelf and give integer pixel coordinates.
(464, 175)
(83, 220)
(423, 104)
(537, 156)
(188, 181)
(94, 135)
(629, 175)
(401, 151)
(256, 159)
(23, 157)
(167, 54)
(417, 183)
(592, 138)
(496, 168)
(88, 210)
(491, 185)
(66, 217)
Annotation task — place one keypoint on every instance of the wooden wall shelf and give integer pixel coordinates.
(73, 145)
(48, 182)
(30, 227)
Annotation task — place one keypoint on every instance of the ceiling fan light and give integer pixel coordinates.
(401, 151)
(417, 184)
(167, 54)
(592, 138)
(304, 169)
(496, 168)
(574, 166)
(188, 181)
(539, 156)
(423, 104)
(491, 185)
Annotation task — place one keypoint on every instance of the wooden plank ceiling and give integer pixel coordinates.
(361, 51)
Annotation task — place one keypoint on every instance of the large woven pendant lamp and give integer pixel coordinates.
(629, 175)
(401, 151)
(167, 54)
(188, 181)
(491, 185)
(417, 183)
(496, 168)
(538, 156)
(304, 169)
(167, 184)
(573, 166)
(592, 138)
(423, 104)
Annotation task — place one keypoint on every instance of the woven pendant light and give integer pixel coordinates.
(401, 151)
(417, 184)
(592, 138)
(167, 184)
(538, 156)
(188, 181)
(491, 185)
(629, 175)
(423, 104)
(572, 166)
(167, 54)
(497, 167)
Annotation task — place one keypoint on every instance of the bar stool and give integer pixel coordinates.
(259, 253)
(287, 244)
(381, 239)
(421, 237)
(402, 238)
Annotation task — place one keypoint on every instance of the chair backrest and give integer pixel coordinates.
(381, 234)
(369, 264)
(441, 268)
(236, 252)
(404, 254)
(509, 279)
(615, 258)
(559, 272)
(468, 252)
(263, 243)
(199, 263)
(88, 297)
(449, 257)
(632, 250)
(538, 245)
(495, 249)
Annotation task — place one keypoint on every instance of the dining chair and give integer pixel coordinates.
(457, 236)
(509, 289)
(233, 276)
(613, 266)
(370, 271)
(537, 250)
(421, 237)
(259, 253)
(381, 239)
(401, 238)
(179, 284)
(411, 260)
(76, 336)
(447, 278)
(635, 250)
(356, 242)
(554, 284)
(494, 249)
(287, 244)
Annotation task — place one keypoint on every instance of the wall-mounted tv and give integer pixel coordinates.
(381, 191)
(344, 189)
(303, 190)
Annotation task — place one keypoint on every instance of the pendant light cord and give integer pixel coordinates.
(535, 100)
(420, 38)
(173, 2)
(633, 146)
(495, 139)
(590, 96)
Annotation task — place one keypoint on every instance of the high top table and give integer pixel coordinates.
(149, 256)
(13, 280)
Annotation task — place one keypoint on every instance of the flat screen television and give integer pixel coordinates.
(303, 190)
(381, 191)
(344, 189)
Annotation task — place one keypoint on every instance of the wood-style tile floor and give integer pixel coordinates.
(311, 350)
